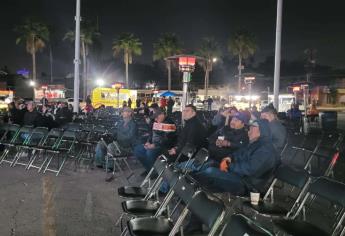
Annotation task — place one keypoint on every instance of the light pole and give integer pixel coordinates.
(76, 59)
(32, 84)
(277, 54)
(249, 81)
(186, 65)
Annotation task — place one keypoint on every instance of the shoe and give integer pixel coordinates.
(109, 178)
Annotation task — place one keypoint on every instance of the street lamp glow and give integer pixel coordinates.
(100, 82)
(32, 83)
(214, 60)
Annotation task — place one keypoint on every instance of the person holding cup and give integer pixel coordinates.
(230, 138)
(247, 169)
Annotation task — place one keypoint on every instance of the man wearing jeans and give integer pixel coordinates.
(247, 169)
(162, 138)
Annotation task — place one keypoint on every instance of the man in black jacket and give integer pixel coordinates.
(229, 138)
(193, 132)
(32, 117)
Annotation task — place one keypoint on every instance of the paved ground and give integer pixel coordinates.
(74, 203)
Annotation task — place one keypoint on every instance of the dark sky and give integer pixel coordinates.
(313, 24)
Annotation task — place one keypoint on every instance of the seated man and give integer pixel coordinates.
(229, 138)
(126, 135)
(278, 130)
(193, 132)
(247, 169)
(161, 138)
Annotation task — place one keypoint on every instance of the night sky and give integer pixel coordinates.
(306, 24)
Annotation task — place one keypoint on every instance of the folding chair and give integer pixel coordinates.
(118, 156)
(299, 179)
(326, 189)
(45, 149)
(141, 191)
(35, 139)
(242, 225)
(65, 148)
(20, 138)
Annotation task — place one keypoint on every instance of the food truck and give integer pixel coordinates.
(110, 97)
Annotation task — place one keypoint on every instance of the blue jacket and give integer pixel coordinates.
(256, 162)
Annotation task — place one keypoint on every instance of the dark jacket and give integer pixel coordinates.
(238, 138)
(193, 133)
(17, 116)
(162, 139)
(33, 118)
(256, 162)
(279, 135)
(63, 116)
(127, 133)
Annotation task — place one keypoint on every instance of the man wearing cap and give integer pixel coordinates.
(248, 169)
(279, 134)
(229, 138)
(126, 136)
(162, 138)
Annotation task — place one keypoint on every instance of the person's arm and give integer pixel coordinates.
(258, 162)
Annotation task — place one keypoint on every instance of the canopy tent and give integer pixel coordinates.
(167, 94)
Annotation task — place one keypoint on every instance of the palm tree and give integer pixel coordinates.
(167, 45)
(129, 45)
(209, 50)
(35, 35)
(243, 45)
(88, 34)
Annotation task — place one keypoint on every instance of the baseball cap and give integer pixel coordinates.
(242, 117)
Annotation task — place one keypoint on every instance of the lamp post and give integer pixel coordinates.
(76, 59)
(187, 66)
(118, 86)
(32, 84)
(295, 90)
(249, 81)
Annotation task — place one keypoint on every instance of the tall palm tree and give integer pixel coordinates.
(35, 35)
(243, 45)
(209, 50)
(88, 34)
(130, 46)
(167, 45)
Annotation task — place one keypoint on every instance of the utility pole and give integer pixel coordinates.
(76, 59)
(277, 54)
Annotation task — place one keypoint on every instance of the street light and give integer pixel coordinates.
(100, 82)
(214, 60)
(32, 83)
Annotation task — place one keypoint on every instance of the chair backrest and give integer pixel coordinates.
(241, 225)
(38, 135)
(188, 150)
(201, 157)
(113, 149)
(73, 126)
(329, 189)
(205, 209)
(184, 189)
(69, 135)
(160, 164)
(294, 177)
(170, 175)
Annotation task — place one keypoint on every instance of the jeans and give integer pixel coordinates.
(219, 181)
(100, 152)
(147, 157)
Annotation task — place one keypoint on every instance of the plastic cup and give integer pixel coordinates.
(254, 198)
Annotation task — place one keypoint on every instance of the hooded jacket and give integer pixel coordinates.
(256, 162)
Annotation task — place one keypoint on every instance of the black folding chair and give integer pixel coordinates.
(241, 225)
(326, 189)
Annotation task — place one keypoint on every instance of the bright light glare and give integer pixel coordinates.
(32, 83)
(214, 59)
(100, 82)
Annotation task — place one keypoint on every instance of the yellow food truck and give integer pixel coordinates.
(108, 97)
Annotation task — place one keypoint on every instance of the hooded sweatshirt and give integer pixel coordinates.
(256, 163)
